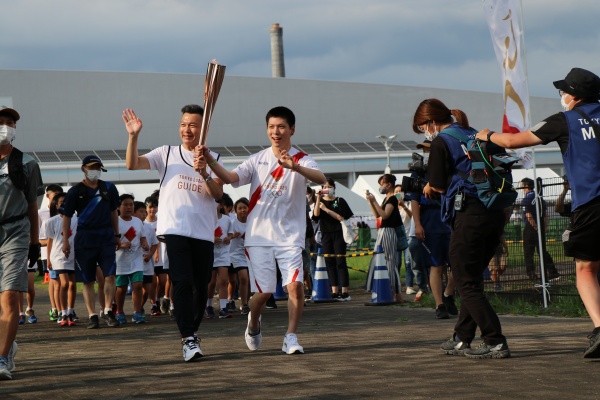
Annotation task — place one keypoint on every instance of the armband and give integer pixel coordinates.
(212, 163)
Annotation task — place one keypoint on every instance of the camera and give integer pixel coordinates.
(413, 185)
(418, 164)
(324, 191)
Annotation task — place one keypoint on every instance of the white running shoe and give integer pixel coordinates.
(253, 341)
(11, 356)
(191, 349)
(410, 290)
(291, 345)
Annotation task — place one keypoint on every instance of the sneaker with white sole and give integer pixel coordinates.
(253, 341)
(291, 345)
(488, 351)
(410, 290)
(191, 348)
(11, 356)
(454, 348)
(5, 374)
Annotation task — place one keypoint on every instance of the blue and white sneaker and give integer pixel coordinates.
(4, 371)
(31, 318)
(120, 317)
(21, 320)
(11, 356)
(137, 318)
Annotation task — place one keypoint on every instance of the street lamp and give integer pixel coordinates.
(387, 143)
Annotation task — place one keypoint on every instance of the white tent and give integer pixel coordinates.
(369, 182)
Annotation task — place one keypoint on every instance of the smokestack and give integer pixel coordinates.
(277, 64)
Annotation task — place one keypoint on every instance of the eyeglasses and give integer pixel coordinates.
(426, 123)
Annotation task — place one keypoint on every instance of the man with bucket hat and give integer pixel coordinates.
(577, 132)
(97, 237)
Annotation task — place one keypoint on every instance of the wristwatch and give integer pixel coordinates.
(207, 179)
(118, 235)
(490, 133)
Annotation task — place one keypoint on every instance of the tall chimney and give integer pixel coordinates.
(277, 64)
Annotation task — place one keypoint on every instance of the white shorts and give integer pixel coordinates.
(262, 264)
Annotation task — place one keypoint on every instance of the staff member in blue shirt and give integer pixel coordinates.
(579, 142)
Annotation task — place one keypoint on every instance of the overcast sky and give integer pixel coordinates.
(434, 43)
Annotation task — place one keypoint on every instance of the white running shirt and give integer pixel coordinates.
(130, 260)
(237, 252)
(53, 230)
(186, 208)
(223, 229)
(151, 238)
(277, 210)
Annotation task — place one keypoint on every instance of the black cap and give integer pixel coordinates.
(426, 144)
(11, 111)
(91, 160)
(581, 83)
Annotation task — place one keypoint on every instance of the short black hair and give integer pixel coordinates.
(53, 187)
(151, 200)
(137, 205)
(387, 178)
(528, 183)
(282, 112)
(241, 200)
(226, 200)
(192, 109)
(330, 182)
(126, 196)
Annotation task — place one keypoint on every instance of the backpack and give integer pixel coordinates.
(490, 170)
(83, 196)
(15, 169)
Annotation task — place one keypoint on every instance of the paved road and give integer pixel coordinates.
(352, 352)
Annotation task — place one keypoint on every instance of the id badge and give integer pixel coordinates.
(458, 202)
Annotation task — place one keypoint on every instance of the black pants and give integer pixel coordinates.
(530, 244)
(473, 242)
(337, 269)
(190, 267)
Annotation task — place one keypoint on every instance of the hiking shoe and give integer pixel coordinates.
(4, 371)
(450, 304)
(245, 309)
(410, 290)
(291, 345)
(11, 356)
(419, 295)
(488, 351)
(110, 319)
(63, 320)
(53, 315)
(21, 320)
(70, 320)
(224, 313)
(441, 312)
(191, 348)
(155, 310)
(120, 317)
(94, 322)
(209, 312)
(31, 318)
(231, 306)
(253, 341)
(138, 318)
(271, 303)
(593, 350)
(164, 305)
(454, 348)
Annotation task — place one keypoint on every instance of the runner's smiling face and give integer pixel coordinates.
(189, 130)
(280, 133)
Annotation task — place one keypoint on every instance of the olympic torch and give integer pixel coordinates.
(212, 85)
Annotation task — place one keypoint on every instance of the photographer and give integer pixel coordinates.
(475, 234)
(330, 211)
(433, 236)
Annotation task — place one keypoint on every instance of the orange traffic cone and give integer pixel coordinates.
(46, 279)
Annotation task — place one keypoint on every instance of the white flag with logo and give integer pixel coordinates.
(503, 17)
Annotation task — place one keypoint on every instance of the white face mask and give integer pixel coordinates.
(93, 174)
(7, 134)
(430, 136)
(564, 105)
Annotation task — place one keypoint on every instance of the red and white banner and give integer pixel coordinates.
(504, 20)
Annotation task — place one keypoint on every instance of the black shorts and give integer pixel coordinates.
(580, 240)
(160, 270)
(148, 279)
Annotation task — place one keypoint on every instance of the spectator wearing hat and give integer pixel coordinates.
(577, 133)
(20, 184)
(97, 237)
